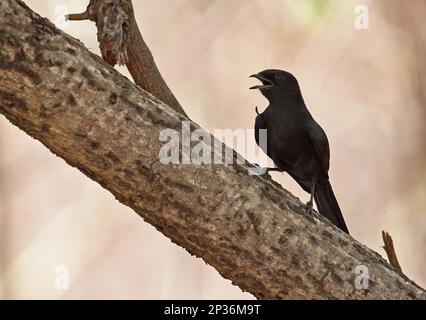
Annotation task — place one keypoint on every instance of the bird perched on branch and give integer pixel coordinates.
(295, 141)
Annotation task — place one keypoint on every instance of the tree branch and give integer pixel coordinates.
(121, 42)
(249, 228)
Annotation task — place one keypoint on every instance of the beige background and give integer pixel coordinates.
(366, 88)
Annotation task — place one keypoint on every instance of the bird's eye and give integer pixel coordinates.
(279, 78)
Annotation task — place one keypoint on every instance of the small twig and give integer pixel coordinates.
(77, 16)
(390, 250)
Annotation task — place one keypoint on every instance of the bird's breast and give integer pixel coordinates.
(287, 140)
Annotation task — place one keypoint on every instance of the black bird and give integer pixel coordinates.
(295, 141)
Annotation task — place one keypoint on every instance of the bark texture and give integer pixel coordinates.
(250, 229)
(121, 42)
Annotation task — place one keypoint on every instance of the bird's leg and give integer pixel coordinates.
(310, 204)
(267, 170)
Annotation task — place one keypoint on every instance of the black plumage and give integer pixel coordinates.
(296, 142)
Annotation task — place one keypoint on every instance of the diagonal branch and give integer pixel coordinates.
(249, 228)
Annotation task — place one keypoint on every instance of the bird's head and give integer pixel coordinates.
(276, 84)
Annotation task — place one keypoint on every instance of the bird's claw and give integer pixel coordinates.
(309, 207)
(258, 170)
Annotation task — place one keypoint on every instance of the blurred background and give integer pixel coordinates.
(365, 87)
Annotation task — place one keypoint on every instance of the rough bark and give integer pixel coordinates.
(121, 42)
(249, 228)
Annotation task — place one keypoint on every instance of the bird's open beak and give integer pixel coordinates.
(265, 82)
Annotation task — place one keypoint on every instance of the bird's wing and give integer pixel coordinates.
(260, 124)
(322, 147)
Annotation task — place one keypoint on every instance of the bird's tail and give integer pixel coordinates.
(328, 206)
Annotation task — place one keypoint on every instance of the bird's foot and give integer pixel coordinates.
(309, 207)
(260, 171)
(273, 170)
